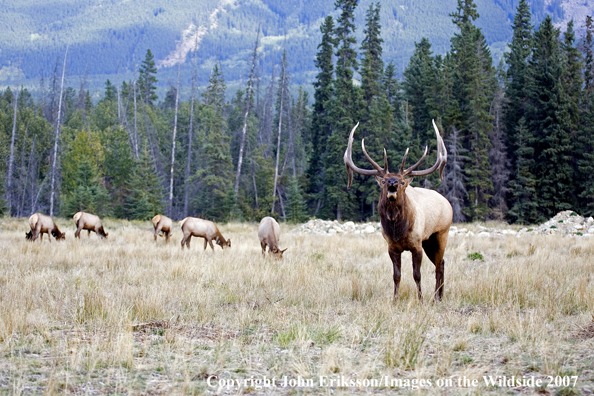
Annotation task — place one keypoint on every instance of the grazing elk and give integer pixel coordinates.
(89, 222)
(162, 224)
(192, 226)
(269, 234)
(41, 224)
(412, 218)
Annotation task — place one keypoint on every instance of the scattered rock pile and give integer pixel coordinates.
(324, 227)
(564, 223)
(567, 223)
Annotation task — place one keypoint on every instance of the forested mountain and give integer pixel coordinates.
(519, 131)
(106, 38)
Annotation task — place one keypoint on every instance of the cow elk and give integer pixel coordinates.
(269, 235)
(89, 222)
(41, 224)
(192, 226)
(163, 225)
(412, 218)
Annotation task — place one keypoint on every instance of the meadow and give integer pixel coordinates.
(128, 316)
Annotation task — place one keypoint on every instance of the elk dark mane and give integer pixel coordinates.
(414, 219)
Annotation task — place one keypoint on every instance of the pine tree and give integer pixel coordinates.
(585, 150)
(320, 121)
(88, 194)
(475, 85)
(548, 120)
(516, 94)
(344, 109)
(295, 206)
(144, 198)
(523, 187)
(147, 79)
(216, 168)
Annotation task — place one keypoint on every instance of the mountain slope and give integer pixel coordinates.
(107, 37)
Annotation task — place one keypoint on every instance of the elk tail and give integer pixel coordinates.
(181, 223)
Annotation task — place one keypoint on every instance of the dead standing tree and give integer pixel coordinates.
(173, 146)
(246, 114)
(55, 154)
(190, 133)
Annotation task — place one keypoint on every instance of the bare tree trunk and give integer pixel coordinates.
(253, 174)
(245, 117)
(280, 199)
(11, 157)
(173, 146)
(190, 133)
(55, 156)
(278, 139)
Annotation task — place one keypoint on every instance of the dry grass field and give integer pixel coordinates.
(128, 316)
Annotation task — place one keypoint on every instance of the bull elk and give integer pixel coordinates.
(412, 218)
(89, 222)
(192, 226)
(164, 225)
(41, 224)
(269, 235)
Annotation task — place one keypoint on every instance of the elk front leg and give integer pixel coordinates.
(206, 243)
(417, 259)
(396, 263)
(167, 235)
(157, 230)
(211, 245)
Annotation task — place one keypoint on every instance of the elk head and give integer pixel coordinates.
(29, 235)
(60, 236)
(393, 185)
(222, 243)
(277, 253)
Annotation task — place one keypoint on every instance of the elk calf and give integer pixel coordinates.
(41, 224)
(269, 234)
(89, 222)
(412, 218)
(192, 226)
(162, 224)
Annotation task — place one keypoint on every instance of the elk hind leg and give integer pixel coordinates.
(263, 246)
(434, 248)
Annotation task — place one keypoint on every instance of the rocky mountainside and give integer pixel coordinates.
(107, 38)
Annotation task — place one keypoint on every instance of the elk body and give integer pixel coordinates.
(41, 224)
(412, 218)
(269, 235)
(89, 222)
(162, 224)
(192, 226)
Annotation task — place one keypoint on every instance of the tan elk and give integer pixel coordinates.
(164, 225)
(269, 235)
(41, 224)
(412, 218)
(89, 222)
(192, 226)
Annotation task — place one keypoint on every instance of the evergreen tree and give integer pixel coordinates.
(118, 166)
(216, 167)
(584, 142)
(515, 105)
(475, 84)
(549, 122)
(320, 122)
(523, 187)
(372, 65)
(295, 206)
(144, 198)
(344, 111)
(147, 79)
(454, 180)
(88, 194)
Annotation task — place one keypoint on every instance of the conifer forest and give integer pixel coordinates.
(519, 134)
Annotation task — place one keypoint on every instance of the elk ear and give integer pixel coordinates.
(408, 181)
(229, 242)
(282, 251)
(378, 179)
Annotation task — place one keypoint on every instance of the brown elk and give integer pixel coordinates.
(89, 222)
(192, 226)
(162, 224)
(41, 224)
(269, 235)
(412, 218)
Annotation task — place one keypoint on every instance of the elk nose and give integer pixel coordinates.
(392, 188)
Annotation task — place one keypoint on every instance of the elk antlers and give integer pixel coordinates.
(440, 163)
